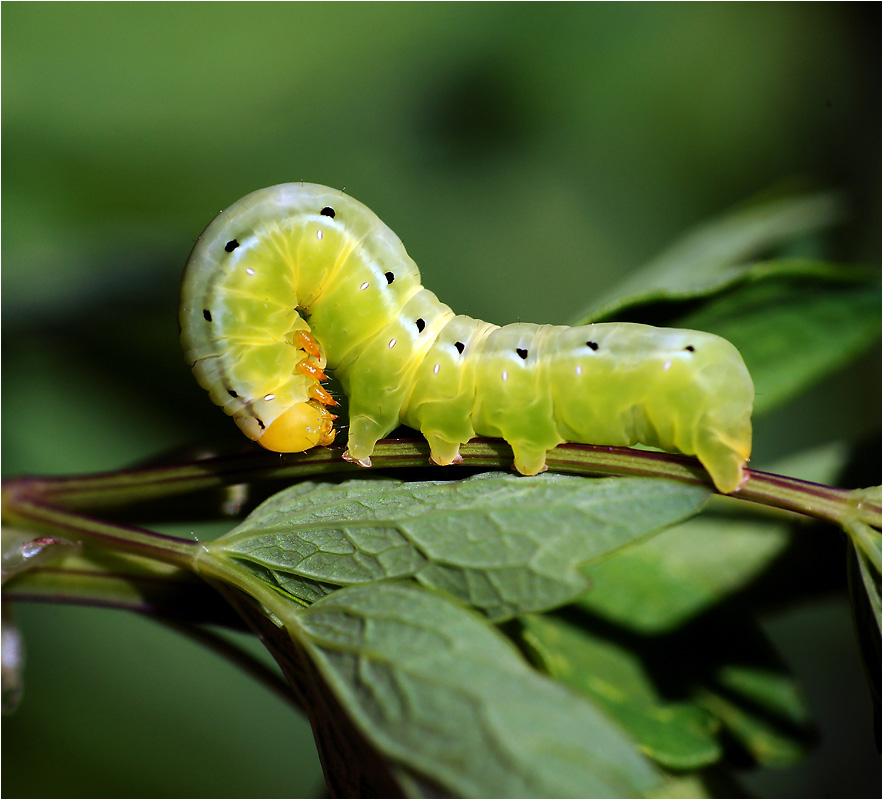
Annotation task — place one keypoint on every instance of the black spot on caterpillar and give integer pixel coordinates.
(317, 280)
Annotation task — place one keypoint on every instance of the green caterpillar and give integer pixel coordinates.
(296, 277)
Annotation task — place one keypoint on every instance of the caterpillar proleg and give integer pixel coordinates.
(296, 278)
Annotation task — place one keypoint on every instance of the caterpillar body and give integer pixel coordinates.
(296, 278)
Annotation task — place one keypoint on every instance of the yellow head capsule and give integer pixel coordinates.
(301, 427)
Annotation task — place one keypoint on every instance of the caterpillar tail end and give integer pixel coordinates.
(730, 479)
(725, 458)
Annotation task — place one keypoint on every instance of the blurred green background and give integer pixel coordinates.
(529, 156)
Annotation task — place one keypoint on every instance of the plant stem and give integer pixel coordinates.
(33, 513)
(47, 499)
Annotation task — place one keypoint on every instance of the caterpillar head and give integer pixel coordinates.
(301, 427)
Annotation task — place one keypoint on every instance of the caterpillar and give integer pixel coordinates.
(298, 278)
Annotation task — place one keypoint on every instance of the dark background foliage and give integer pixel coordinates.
(529, 156)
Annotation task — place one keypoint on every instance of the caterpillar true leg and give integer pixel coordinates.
(297, 277)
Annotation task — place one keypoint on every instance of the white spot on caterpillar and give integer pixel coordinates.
(249, 271)
(505, 375)
(435, 369)
(666, 366)
(392, 342)
(269, 397)
(579, 369)
(319, 235)
(364, 286)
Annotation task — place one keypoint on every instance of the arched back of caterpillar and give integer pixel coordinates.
(296, 278)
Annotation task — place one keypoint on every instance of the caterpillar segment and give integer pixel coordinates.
(299, 278)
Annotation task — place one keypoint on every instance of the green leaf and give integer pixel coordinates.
(717, 674)
(663, 582)
(441, 693)
(726, 664)
(822, 464)
(767, 741)
(765, 686)
(678, 735)
(709, 258)
(502, 543)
